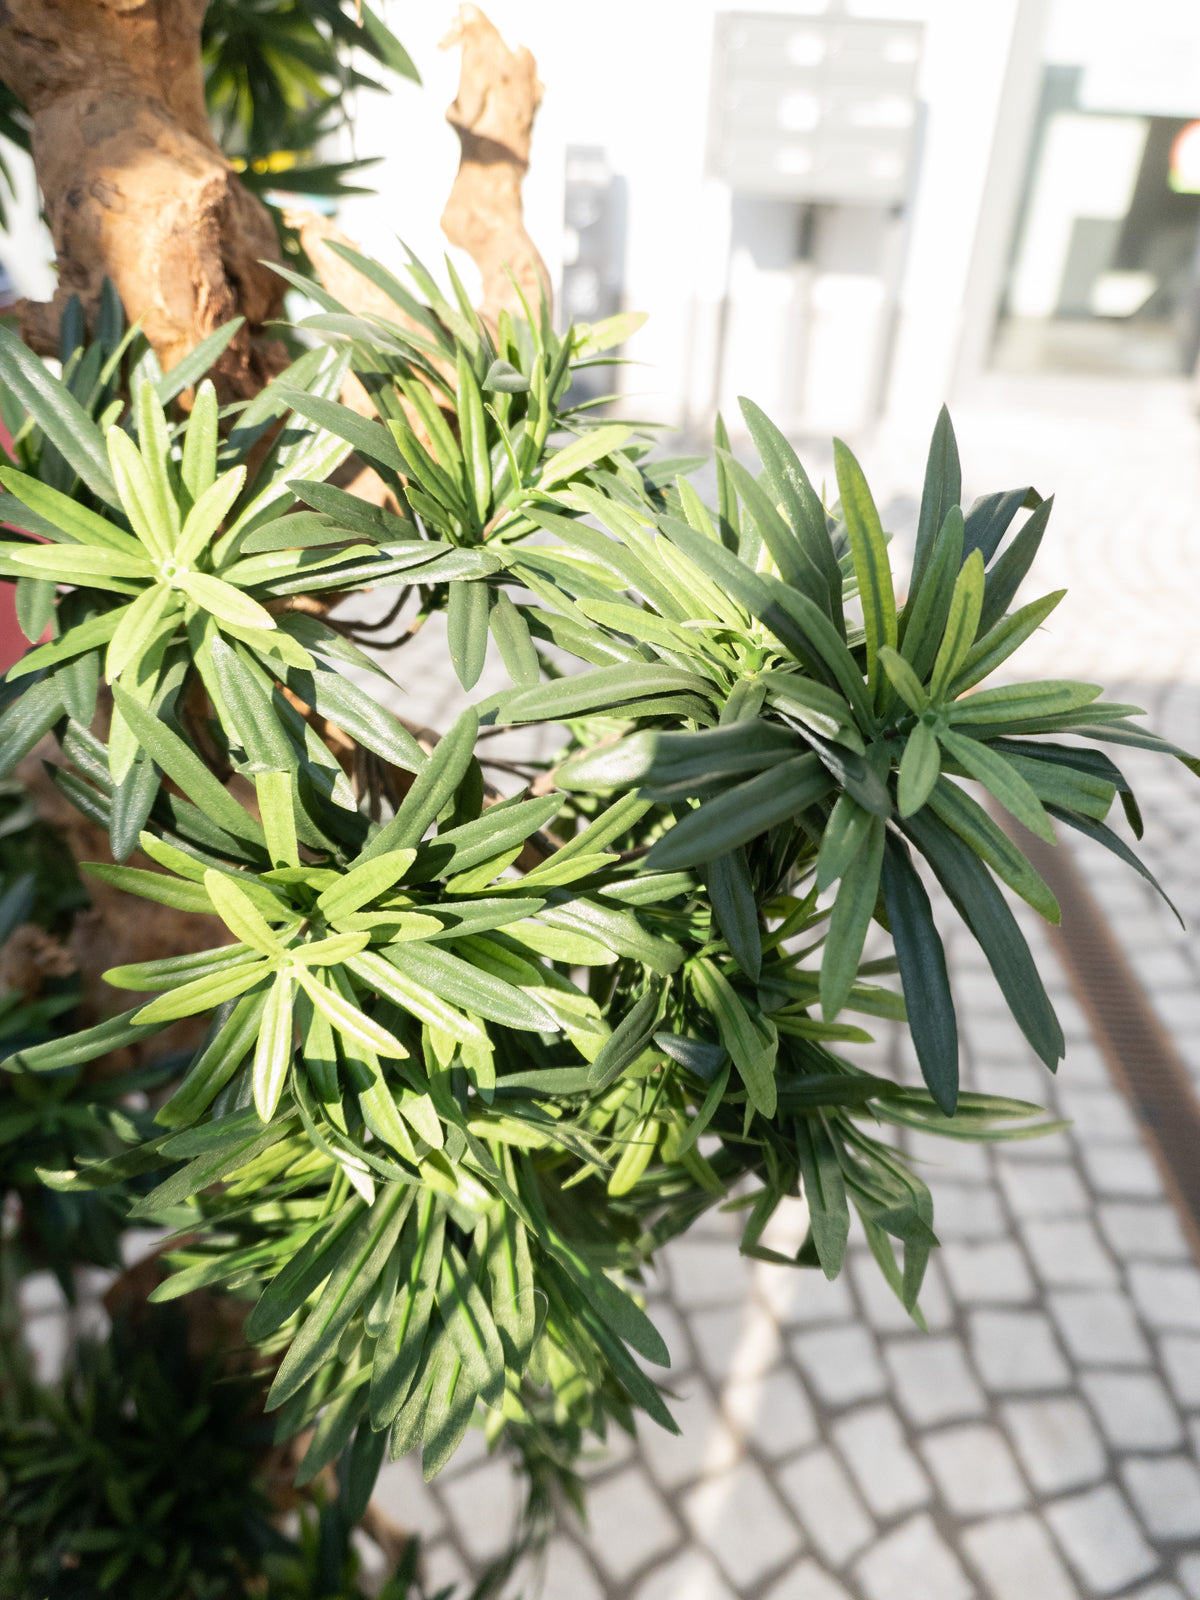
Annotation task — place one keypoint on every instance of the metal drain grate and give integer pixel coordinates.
(1139, 1050)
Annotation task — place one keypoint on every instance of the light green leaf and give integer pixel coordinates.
(276, 1041)
(240, 915)
(961, 626)
(208, 513)
(919, 769)
(139, 624)
(582, 453)
(349, 1021)
(225, 602)
(871, 565)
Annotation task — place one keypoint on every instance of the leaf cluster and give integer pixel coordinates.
(471, 1058)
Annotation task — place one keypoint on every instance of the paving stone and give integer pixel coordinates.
(841, 1364)
(628, 1523)
(881, 1305)
(773, 1412)
(933, 1381)
(1101, 1539)
(1168, 1297)
(1166, 1492)
(568, 1574)
(1017, 1350)
(736, 1341)
(1189, 1576)
(706, 1272)
(987, 1274)
(1134, 1408)
(913, 1560)
(670, 1324)
(703, 1444)
(744, 1524)
(443, 1567)
(808, 1581)
(691, 1576)
(401, 1494)
(974, 1470)
(1180, 1354)
(872, 1445)
(797, 1298)
(822, 1496)
(1056, 1441)
(967, 1211)
(1044, 1189)
(1099, 1327)
(1143, 1230)
(1121, 1170)
(483, 1504)
(1099, 1115)
(1069, 1255)
(1017, 1561)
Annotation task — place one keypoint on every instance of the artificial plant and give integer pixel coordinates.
(472, 1056)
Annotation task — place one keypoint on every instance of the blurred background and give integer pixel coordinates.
(854, 212)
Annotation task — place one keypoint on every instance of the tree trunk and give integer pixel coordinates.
(135, 186)
(498, 97)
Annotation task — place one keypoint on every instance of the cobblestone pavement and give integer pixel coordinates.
(1041, 1441)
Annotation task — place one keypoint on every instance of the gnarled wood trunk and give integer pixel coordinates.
(135, 186)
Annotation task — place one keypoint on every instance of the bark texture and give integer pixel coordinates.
(498, 97)
(135, 186)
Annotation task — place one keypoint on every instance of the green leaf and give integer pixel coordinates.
(923, 975)
(457, 981)
(999, 642)
(627, 1041)
(582, 452)
(1009, 571)
(216, 1063)
(349, 1021)
(919, 768)
(790, 485)
(240, 915)
(334, 695)
(904, 680)
(365, 881)
(187, 372)
(961, 626)
(198, 468)
(473, 433)
(58, 414)
(741, 814)
(212, 506)
(1002, 780)
(27, 720)
(824, 1192)
(138, 626)
(471, 1327)
(871, 565)
(736, 909)
(514, 641)
(990, 843)
(467, 630)
(412, 997)
(67, 515)
(78, 1048)
(274, 791)
(202, 994)
(1018, 701)
(249, 713)
(362, 1258)
(982, 907)
(841, 839)
(186, 769)
(276, 1041)
(399, 1350)
(923, 622)
(604, 689)
(753, 1056)
(85, 564)
(226, 603)
(370, 439)
(848, 923)
(152, 886)
(942, 490)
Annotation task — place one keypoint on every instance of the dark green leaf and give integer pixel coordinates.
(922, 960)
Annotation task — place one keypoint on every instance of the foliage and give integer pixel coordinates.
(472, 1058)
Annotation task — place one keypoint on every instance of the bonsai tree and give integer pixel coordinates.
(454, 1041)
